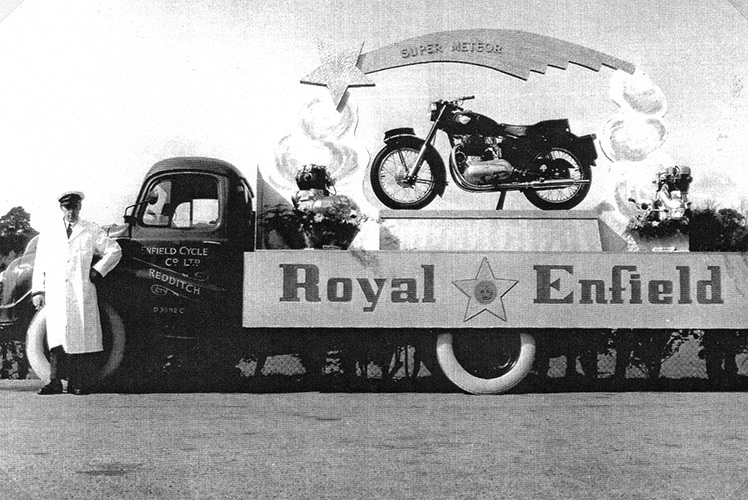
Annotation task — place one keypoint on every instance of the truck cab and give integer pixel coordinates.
(183, 243)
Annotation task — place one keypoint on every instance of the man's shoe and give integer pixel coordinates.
(54, 387)
(78, 390)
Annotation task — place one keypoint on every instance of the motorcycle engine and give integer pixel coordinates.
(479, 160)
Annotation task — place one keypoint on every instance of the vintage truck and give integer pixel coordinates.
(470, 291)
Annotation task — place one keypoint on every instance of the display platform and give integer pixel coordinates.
(497, 230)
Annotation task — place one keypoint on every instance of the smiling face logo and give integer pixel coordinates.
(485, 292)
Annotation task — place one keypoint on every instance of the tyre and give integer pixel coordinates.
(113, 330)
(561, 164)
(487, 362)
(391, 166)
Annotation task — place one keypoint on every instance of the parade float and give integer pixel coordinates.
(294, 266)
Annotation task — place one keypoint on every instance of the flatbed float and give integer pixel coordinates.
(472, 289)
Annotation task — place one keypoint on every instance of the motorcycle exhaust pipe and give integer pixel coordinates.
(519, 186)
(551, 184)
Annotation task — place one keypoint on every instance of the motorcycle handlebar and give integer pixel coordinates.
(456, 101)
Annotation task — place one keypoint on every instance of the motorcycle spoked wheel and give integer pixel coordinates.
(388, 171)
(563, 164)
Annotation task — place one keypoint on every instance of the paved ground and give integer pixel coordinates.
(313, 445)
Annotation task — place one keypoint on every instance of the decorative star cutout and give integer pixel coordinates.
(485, 292)
(338, 71)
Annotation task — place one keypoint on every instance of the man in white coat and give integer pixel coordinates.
(65, 271)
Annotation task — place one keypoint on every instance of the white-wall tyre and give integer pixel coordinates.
(35, 351)
(517, 369)
(36, 346)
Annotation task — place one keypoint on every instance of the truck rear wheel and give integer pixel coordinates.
(113, 330)
(485, 362)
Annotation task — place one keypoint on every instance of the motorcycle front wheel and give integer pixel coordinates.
(390, 169)
(561, 163)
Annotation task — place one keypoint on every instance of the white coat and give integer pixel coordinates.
(62, 271)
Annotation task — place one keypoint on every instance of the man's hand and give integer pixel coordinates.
(38, 301)
(94, 276)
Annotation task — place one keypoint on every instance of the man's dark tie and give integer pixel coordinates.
(70, 230)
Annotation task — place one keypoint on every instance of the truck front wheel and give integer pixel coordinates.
(113, 330)
(485, 362)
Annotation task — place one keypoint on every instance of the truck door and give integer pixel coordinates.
(183, 257)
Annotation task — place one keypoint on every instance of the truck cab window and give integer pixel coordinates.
(183, 201)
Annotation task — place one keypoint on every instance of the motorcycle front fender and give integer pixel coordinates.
(407, 138)
(397, 133)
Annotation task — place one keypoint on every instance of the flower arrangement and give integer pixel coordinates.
(333, 222)
(646, 226)
(281, 228)
(328, 220)
(669, 212)
(321, 217)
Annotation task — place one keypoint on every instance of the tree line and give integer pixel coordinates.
(15, 233)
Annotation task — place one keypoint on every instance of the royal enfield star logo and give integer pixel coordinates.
(485, 292)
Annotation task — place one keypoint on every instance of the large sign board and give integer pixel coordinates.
(395, 289)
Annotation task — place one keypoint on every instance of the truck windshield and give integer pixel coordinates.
(183, 201)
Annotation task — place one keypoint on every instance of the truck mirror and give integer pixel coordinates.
(151, 199)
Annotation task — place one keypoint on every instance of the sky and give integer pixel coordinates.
(92, 93)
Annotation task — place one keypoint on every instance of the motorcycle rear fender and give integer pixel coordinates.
(559, 130)
(584, 148)
(408, 137)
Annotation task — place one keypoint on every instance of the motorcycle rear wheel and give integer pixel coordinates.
(563, 162)
(388, 171)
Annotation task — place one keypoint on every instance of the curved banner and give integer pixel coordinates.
(513, 52)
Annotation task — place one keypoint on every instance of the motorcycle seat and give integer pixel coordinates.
(515, 130)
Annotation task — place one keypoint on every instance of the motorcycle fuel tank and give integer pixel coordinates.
(468, 122)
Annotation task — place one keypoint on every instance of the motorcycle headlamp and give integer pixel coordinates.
(434, 111)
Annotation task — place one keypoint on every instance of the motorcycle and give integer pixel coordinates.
(545, 161)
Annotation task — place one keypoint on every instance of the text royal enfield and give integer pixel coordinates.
(554, 284)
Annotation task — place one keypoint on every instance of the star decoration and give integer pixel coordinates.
(485, 292)
(338, 71)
